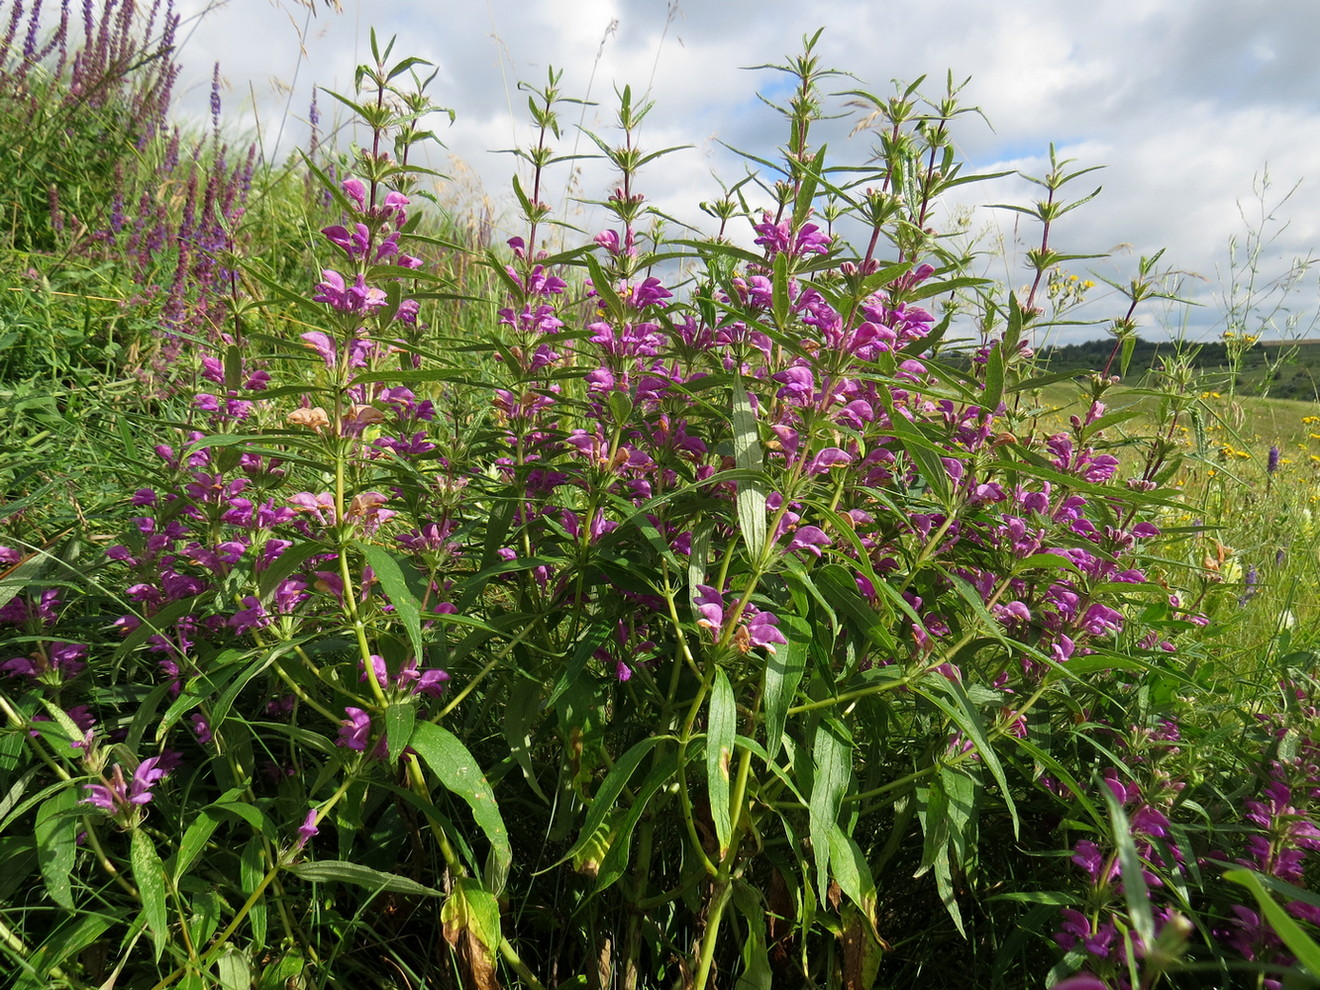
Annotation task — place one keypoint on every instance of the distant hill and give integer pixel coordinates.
(1282, 369)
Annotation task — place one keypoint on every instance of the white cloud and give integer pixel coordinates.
(1184, 101)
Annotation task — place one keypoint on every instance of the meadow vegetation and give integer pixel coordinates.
(383, 608)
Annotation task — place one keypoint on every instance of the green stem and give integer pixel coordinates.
(481, 674)
(515, 963)
(847, 696)
(724, 890)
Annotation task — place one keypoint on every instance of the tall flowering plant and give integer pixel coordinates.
(658, 627)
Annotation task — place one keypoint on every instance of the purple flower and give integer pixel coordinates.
(810, 539)
(431, 682)
(307, 829)
(781, 238)
(358, 299)
(354, 730)
(1090, 858)
(356, 191)
(252, 616)
(119, 797)
(201, 728)
(351, 242)
(1077, 929)
(710, 606)
(828, 458)
(1082, 981)
(761, 631)
(1101, 620)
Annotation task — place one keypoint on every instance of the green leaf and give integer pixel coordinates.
(849, 867)
(1294, 937)
(968, 719)
(836, 584)
(935, 822)
(621, 407)
(1130, 866)
(697, 560)
(756, 974)
(232, 803)
(197, 689)
(149, 876)
(593, 638)
(56, 833)
(284, 972)
(604, 289)
(994, 379)
(251, 871)
(220, 709)
(342, 871)
(615, 861)
(810, 179)
(232, 969)
(747, 457)
(721, 727)
(283, 567)
(520, 714)
(832, 771)
(65, 943)
(406, 606)
(450, 761)
(399, 719)
(476, 911)
(779, 289)
(783, 674)
(608, 793)
(194, 841)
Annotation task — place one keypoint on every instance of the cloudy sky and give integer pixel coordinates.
(1188, 104)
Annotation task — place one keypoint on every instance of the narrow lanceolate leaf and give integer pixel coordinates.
(66, 942)
(251, 870)
(963, 713)
(720, 729)
(399, 719)
(405, 604)
(779, 291)
(450, 761)
(756, 973)
(832, 759)
(783, 674)
(615, 861)
(700, 550)
(608, 793)
(994, 379)
(149, 876)
(1299, 943)
(56, 834)
(849, 867)
(194, 841)
(519, 720)
(747, 457)
(342, 871)
(1130, 867)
